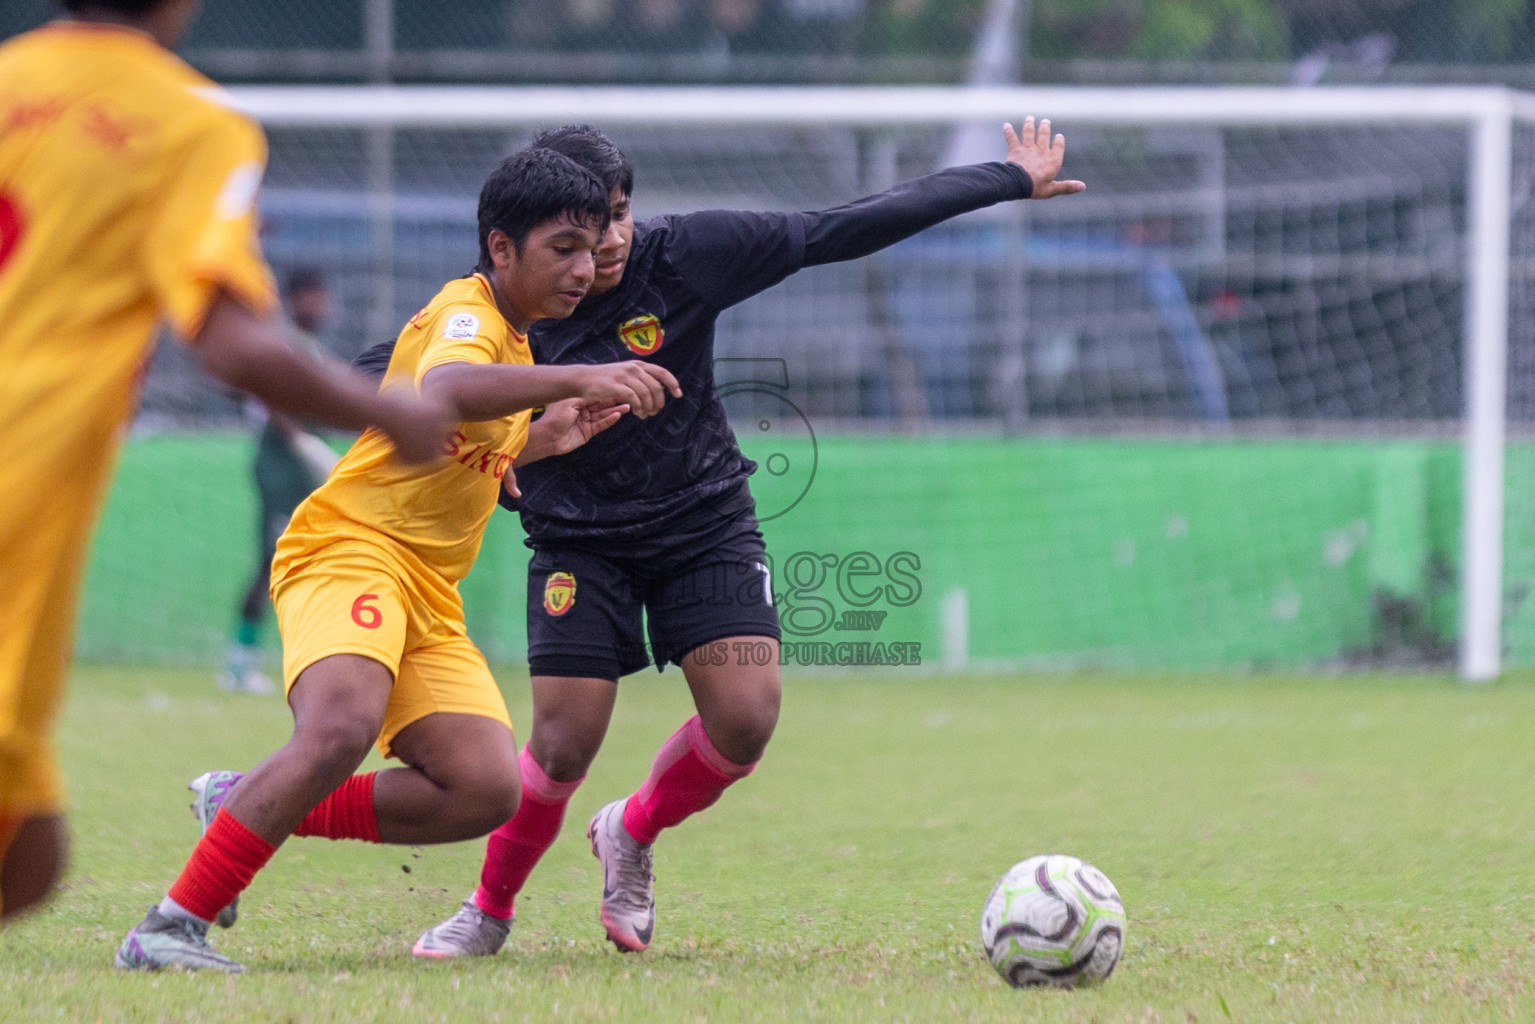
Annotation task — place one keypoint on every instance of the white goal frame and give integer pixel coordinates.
(1488, 115)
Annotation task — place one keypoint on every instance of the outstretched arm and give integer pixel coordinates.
(729, 256)
(870, 224)
(250, 352)
(489, 391)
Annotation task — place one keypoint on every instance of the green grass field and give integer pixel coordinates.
(1290, 849)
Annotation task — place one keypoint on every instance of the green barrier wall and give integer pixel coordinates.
(1134, 553)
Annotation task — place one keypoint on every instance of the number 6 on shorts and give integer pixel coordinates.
(365, 614)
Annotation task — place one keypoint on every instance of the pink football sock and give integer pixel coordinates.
(688, 775)
(515, 847)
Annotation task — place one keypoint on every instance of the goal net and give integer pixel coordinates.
(1241, 404)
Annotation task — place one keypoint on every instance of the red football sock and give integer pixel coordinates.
(8, 827)
(345, 814)
(515, 847)
(688, 775)
(222, 864)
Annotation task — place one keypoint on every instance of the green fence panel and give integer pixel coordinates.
(1039, 551)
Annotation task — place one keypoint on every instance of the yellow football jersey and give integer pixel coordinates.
(437, 512)
(127, 196)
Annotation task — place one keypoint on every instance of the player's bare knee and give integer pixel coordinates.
(476, 772)
(493, 802)
(499, 783)
(756, 716)
(478, 799)
(338, 708)
(335, 746)
(564, 753)
(742, 734)
(739, 708)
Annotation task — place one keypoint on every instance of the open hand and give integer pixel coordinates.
(1041, 156)
(567, 425)
(564, 426)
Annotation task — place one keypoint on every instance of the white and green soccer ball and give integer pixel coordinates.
(1053, 920)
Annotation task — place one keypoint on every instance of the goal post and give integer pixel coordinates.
(1492, 151)
(1219, 311)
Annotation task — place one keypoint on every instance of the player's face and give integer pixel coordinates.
(551, 274)
(613, 253)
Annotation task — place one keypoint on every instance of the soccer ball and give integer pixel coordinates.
(1053, 920)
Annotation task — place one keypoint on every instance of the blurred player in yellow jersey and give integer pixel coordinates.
(366, 576)
(127, 195)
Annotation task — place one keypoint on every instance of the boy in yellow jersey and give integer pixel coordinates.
(366, 576)
(127, 196)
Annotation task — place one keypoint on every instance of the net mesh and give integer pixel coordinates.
(1204, 415)
(1290, 277)
(1519, 462)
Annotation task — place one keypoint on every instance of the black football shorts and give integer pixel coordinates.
(588, 613)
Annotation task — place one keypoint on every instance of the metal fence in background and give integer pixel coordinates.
(1283, 280)
(1065, 41)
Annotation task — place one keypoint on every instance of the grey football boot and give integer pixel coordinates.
(158, 942)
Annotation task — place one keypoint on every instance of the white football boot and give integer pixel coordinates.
(470, 932)
(628, 886)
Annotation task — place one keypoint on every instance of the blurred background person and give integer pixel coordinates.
(290, 462)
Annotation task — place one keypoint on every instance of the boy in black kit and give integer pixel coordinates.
(653, 513)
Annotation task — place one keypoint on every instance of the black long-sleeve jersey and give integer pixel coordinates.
(647, 487)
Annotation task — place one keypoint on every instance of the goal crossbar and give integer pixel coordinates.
(469, 106)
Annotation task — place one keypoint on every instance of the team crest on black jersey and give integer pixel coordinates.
(642, 335)
(559, 593)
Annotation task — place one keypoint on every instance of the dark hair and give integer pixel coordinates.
(593, 150)
(305, 279)
(130, 7)
(534, 186)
